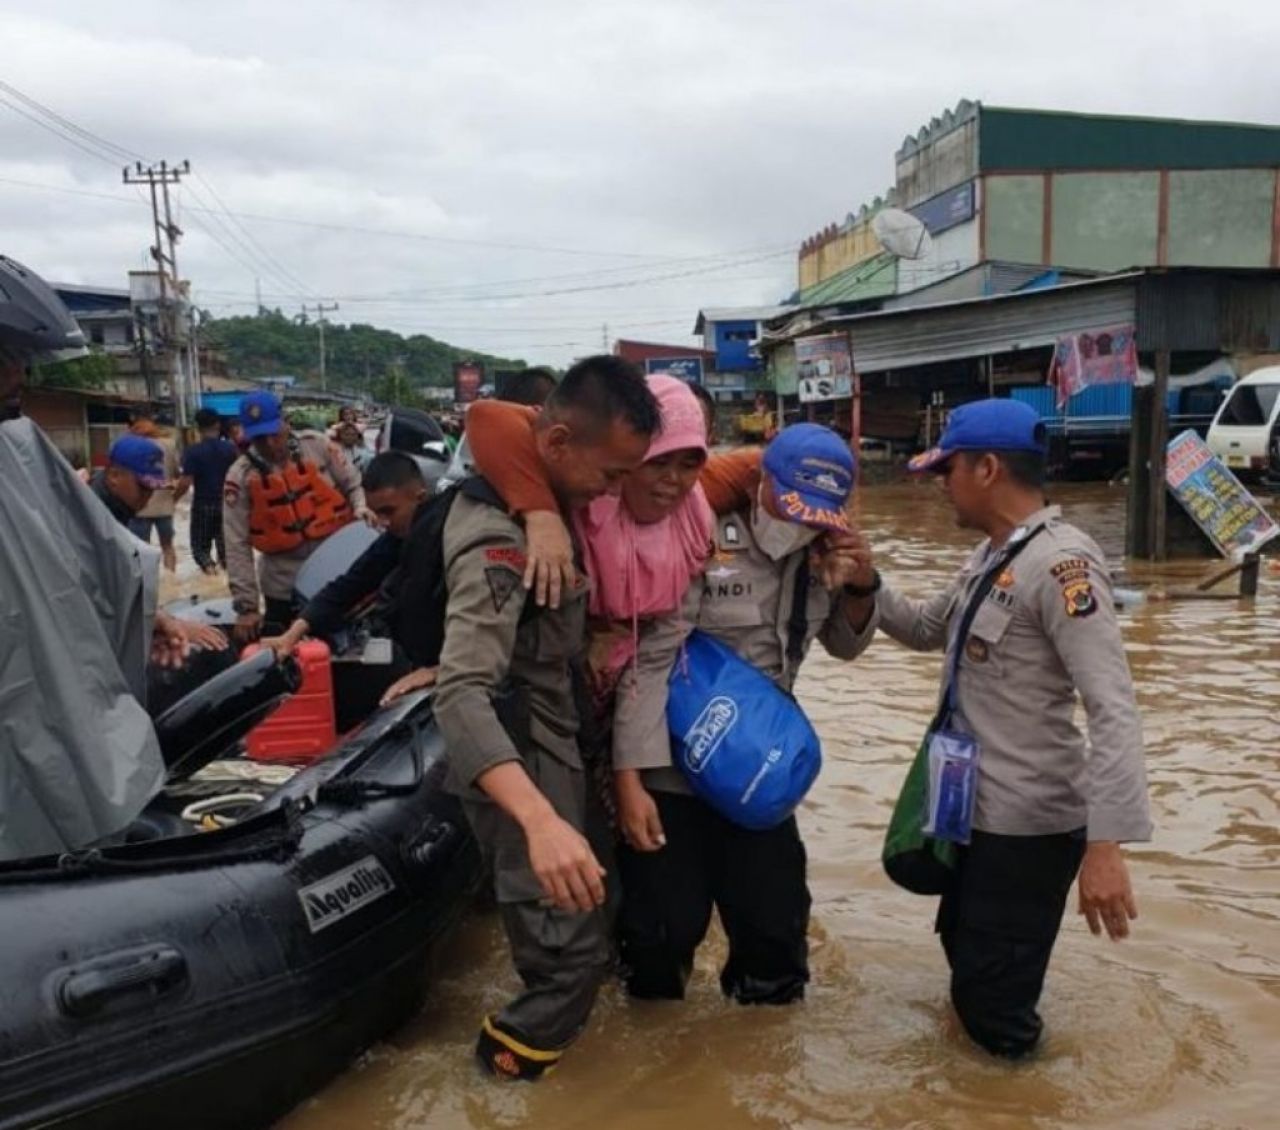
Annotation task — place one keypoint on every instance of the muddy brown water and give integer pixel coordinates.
(1177, 1028)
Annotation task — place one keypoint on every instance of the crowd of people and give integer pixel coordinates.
(548, 603)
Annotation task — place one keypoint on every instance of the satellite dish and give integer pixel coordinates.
(901, 234)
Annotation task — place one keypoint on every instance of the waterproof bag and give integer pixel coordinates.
(743, 744)
(934, 810)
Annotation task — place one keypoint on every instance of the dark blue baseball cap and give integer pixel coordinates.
(812, 470)
(144, 457)
(260, 414)
(986, 425)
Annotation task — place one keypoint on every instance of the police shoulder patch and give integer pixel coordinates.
(1068, 566)
(1079, 598)
(509, 555)
(502, 583)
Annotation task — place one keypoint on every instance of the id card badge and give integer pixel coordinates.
(953, 786)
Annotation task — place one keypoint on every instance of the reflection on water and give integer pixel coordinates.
(1175, 1028)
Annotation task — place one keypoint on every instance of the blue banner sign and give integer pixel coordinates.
(686, 368)
(947, 209)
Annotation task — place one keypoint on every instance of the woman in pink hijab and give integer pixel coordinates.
(642, 548)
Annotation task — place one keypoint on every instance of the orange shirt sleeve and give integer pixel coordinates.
(730, 479)
(503, 449)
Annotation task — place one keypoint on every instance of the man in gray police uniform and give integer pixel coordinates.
(1046, 799)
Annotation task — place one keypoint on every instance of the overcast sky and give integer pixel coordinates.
(514, 175)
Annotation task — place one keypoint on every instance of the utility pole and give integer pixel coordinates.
(604, 337)
(321, 309)
(172, 321)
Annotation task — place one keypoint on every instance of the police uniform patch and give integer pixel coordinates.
(507, 555)
(1079, 599)
(1069, 570)
(502, 583)
(976, 651)
(230, 492)
(1005, 580)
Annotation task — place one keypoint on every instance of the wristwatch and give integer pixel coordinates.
(863, 590)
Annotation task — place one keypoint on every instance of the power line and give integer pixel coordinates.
(281, 269)
(295, 294)
(95, 145)
(120, 153)
(110, 153)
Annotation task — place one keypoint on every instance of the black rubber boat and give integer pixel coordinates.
(247, 940)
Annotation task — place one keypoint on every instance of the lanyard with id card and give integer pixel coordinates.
(953, 756)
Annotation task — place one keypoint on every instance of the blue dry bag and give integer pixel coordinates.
(745, 747)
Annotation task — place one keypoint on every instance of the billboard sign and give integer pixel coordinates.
(947, 209)
(686, 368)
(824, 368)
(1229, 515)
(468, 376)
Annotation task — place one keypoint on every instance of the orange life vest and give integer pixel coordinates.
(292, 504)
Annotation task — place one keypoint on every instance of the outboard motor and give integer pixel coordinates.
(210, 721)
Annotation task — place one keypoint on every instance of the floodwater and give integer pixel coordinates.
(1176, 1028)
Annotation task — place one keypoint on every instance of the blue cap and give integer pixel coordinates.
(812, 470)
(144, 457)
(260, 414)
(986, 425)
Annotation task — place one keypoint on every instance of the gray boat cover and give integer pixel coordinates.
(78, 755)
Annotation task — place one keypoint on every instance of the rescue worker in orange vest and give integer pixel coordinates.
(282, 497)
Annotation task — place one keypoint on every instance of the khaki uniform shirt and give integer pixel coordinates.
(745, 599)
(1045, 632)
(276, 571)
(487, 641)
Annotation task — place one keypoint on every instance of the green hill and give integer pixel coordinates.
(359, 358)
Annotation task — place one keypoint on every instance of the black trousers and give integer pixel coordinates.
(998, 925)
(277, 615)
(206, 533)
(755, 879)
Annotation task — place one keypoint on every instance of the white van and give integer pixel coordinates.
(1239, 432)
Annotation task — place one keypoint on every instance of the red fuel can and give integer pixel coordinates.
(303, 729)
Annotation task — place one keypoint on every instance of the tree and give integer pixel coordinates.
(359, 357)
(95, 370)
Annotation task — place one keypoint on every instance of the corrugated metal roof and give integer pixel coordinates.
(999, 323)
(876, 277)
(79, 288)
(1180, 309)
(1207, 310)
(1046, 139)
(928, 335)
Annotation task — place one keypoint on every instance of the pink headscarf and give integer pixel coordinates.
(643, 570)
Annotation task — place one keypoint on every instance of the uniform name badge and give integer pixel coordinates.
(953, 786)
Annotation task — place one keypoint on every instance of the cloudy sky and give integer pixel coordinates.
(529, 177)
